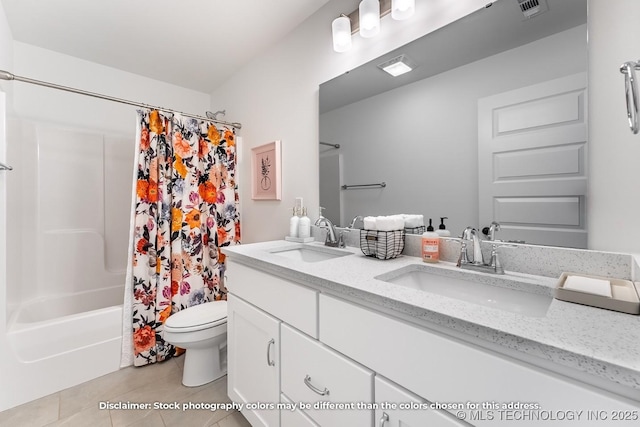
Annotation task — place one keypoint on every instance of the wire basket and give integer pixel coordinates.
(415, 230)
(382, 244)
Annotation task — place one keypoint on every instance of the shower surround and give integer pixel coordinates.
(68, 208)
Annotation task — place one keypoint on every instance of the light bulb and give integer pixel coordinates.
(369, 14)
(402, 9)
(341, 30)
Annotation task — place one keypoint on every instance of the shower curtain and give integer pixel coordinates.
(185, 210)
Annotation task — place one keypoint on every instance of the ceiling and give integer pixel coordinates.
(196, 44)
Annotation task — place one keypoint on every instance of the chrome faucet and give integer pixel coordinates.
(333, 239)
(495, 226)
(357, 222)
(477, 262)
(471, 234)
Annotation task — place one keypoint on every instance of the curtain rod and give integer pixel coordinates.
(5, 75)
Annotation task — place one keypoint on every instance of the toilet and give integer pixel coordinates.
(202, 331)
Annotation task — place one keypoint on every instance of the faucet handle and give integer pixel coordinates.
(490, 231)
(495, 260)
(463, 258)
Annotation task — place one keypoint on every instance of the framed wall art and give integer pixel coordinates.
(266, 172)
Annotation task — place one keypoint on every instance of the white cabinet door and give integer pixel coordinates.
(253, 360)
(323, 379)
(396, 408)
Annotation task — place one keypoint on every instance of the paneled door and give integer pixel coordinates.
(532, 162)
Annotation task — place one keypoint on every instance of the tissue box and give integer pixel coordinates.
(624, 295)
(382, 244)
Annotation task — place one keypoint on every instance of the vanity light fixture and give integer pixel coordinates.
(341, 30)
(369, 14)
(366, 20)
(397, 66)
(402, 9)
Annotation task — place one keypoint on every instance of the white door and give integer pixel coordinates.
(532, 162)
(253, 351)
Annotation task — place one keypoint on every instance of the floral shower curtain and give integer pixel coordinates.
(185, 210)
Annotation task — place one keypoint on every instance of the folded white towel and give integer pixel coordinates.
(369, 223)
(389, 223)
(588, 285)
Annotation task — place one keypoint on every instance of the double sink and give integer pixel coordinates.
(507, 292)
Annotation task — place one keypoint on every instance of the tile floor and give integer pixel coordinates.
(80, 405)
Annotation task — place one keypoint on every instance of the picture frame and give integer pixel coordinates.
(266, 172)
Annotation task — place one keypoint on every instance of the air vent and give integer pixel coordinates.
(531, 8)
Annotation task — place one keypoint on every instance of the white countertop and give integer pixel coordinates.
(603, 343)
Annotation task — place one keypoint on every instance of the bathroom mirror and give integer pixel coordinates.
(423, 133)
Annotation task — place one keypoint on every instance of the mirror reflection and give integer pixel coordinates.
(489, 126)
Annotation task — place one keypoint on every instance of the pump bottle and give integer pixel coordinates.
(430, 245)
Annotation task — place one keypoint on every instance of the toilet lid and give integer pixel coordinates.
(198, 315)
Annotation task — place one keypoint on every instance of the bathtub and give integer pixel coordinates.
(52, 326)
(62, 341)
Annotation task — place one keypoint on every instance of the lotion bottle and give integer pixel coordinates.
(430, 245)
(304, 225)
(442, 229)
(293, 224)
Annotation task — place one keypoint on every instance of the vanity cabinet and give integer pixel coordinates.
(293, 343)
(253, 360)
(446, 370)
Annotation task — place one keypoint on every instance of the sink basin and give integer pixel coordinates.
(504, 293)
(310, 253)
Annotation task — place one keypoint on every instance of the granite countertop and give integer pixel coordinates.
(603, 343)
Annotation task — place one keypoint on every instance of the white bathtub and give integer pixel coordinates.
(62, 341)
(52, 326)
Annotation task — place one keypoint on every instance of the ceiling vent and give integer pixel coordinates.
(531, 8)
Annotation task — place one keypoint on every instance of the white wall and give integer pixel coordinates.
(6, 48)
(276, 97)
(6, 62)
(50, 105)
(614, 175)
(422, 139)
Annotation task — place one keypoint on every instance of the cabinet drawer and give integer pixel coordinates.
(307, 364)
(401, 415)
(446, 370)
(295, 418)
(286, 300)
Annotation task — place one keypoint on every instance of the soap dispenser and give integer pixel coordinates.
(430, 245)
(293, 223)
(304, 225)
(442, 229)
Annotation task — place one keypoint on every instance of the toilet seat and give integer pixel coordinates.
(198, 317)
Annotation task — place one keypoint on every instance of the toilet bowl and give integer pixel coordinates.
(202, 331)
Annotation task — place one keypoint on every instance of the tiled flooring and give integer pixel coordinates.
(161, 383)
